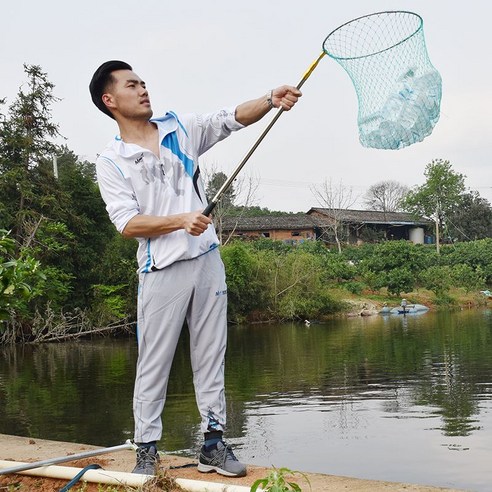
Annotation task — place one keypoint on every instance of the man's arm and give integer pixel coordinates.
(194, 223)
(252, 111)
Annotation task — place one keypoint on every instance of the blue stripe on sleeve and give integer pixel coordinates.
(112, 162)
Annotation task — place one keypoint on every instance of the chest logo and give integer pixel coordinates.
(139, 159)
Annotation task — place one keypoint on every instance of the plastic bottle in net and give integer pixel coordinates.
(398, 88)
(407, 116)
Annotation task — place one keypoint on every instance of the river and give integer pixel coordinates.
(399, 398)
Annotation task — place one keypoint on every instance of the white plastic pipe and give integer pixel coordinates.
(96, 476)
(121, 478)
(200, 486)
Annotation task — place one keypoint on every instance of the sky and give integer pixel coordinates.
(200, 56)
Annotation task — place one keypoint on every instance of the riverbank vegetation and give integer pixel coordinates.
(272, 281)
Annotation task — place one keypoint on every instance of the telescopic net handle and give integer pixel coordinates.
(236, 171)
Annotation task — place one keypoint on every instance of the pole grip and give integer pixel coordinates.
(209, 208)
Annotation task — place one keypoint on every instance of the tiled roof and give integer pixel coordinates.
(269, 222)
(372, 217)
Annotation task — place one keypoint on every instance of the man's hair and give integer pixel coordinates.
(100, 81)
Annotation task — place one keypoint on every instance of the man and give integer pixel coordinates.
(150, 181)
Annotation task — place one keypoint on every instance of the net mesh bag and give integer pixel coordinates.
(398, 89)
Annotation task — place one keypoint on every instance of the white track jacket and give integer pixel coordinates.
(133, 180)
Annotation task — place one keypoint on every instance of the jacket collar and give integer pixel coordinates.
(165, 124)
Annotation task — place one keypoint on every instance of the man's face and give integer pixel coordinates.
(127, 96)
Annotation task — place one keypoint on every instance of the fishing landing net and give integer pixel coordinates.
(398, 89)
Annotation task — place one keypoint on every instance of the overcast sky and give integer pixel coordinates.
(199, 56)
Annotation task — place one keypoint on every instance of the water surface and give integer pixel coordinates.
(389, 398)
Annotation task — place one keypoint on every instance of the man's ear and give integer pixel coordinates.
(108, 100)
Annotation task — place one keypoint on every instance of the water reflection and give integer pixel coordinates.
(379, 397)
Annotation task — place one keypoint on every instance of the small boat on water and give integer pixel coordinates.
(408, 309)
(486, 293)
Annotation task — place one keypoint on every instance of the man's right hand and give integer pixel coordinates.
(195, 223)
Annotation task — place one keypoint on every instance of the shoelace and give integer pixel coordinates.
(144, 456)
(227, 452)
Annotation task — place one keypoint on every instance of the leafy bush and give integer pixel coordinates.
(109, 305)
(16, 277)
(337, 267)
(354, 287)
(437, 279)
(467, 277)
(475, 254)
(243, 289)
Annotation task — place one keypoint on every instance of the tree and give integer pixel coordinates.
(25, 140)
(472, 220)
(336, 199)
(214, 184)
(385, 196)
(439, 197)
(242, 190)
(60, 223)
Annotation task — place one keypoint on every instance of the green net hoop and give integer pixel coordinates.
(398, 89)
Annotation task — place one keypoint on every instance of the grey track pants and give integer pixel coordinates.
(195, 290)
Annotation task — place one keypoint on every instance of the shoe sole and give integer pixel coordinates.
(209, 468)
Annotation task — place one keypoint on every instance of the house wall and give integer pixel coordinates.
(279, 235)
(294, 235)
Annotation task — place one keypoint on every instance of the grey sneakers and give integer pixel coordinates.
(147, 460)
(222, 460)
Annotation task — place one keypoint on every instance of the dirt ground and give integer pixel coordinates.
(13, 448)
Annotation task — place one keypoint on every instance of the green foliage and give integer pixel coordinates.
(16, 276)
(282, 282)
(337, 267)
(472, 220)
(243, 290)
(399, 280)
(280, 480)
(64, 255)
(354, 287)
(60, 223)
(438, 279)
(440, 195)
(214, 185)
(476, 254)
(467, 277)
(395, 265)
(108, 305)
(25, 140)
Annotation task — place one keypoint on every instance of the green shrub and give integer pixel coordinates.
(468, 277)
(244, 292)
(437, 279)
(475, 254)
